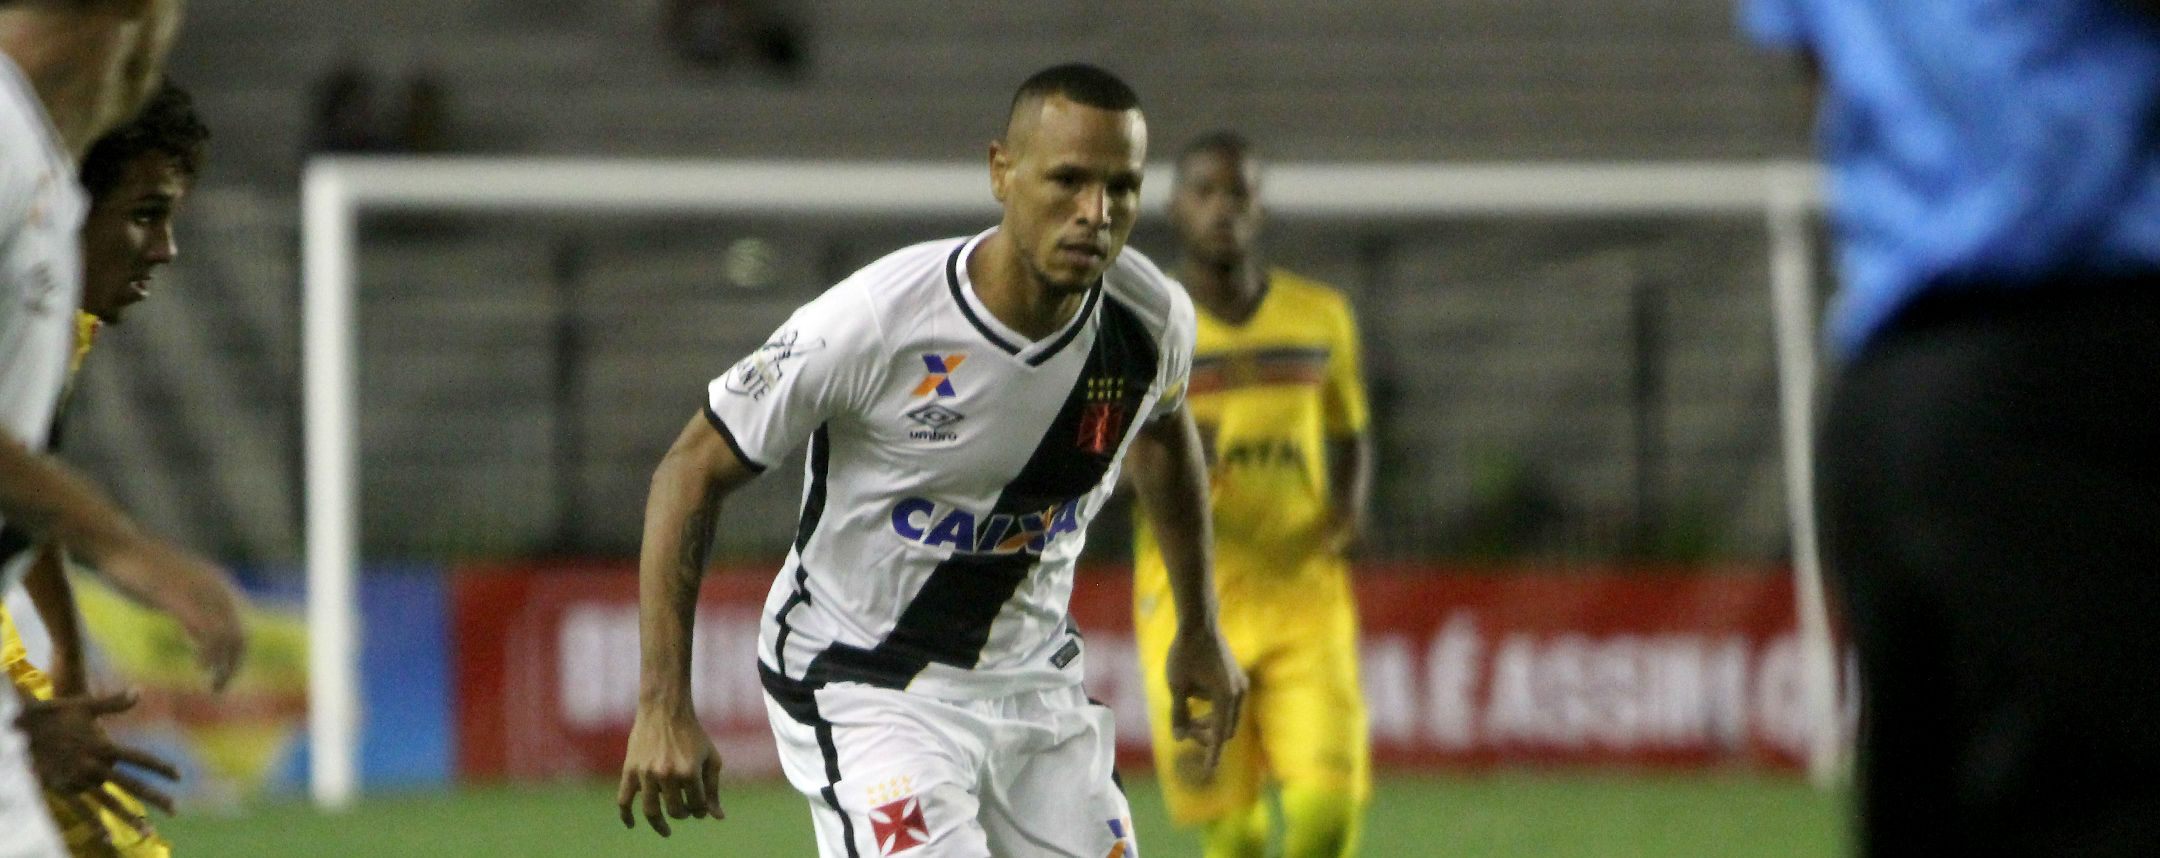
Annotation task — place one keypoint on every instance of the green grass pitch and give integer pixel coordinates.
(1550, 815)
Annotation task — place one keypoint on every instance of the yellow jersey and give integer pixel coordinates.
(1268, 395)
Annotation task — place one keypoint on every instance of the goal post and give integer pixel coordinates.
(337, 190)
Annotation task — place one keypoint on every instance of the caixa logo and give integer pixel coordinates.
(925, 522)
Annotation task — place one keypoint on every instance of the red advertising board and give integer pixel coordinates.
(1478, 669)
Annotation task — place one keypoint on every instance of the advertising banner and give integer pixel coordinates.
(228, 746)
(1474, 668)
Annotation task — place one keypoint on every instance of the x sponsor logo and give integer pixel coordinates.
(938, 374)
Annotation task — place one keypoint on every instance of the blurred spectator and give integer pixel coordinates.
(425, 124)
(345, 112)
(718, 33)
(348, 118)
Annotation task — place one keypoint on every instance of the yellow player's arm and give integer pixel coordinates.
(1170, 477)
(1349, 445)
(1350, 476)
(670, 759)
(54, 598)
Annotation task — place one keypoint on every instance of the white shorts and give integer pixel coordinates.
(893, 773)
(26, 827)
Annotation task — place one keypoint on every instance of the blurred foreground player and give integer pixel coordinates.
(1989, 476)
(967, 404)
(1277, 394)
(69, 71)
(136, 176)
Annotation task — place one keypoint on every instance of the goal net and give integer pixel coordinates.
(1575, 363)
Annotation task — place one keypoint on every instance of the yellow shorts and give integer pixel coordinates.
(1304, 719)
(121, 838)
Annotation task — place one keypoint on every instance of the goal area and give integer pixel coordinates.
(1419, 226)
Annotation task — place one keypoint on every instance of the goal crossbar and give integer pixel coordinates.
(336, 190)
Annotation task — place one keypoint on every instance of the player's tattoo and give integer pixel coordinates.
(697, 537)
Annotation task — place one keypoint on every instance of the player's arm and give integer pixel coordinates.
(1350, 475)
(670, 759)
(1170, 477)
(52, 502)
(1349, 445)
(158, 23)
(47, 585)
(139, 60)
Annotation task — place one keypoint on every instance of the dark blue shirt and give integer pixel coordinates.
(1997, 141)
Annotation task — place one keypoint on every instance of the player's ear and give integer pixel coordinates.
(1001, 162)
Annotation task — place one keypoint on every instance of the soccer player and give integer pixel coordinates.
(1990, 493)
(69, 71)
(136, 177)
(1277, 393)
(967, 404)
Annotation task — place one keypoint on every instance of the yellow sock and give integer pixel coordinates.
(1320, 822)
(1237, 834)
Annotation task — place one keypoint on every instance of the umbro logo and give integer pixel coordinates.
(938, 376)
(935, 420)
(935, 416)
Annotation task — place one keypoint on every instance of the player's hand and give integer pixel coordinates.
(73, 757)
(1199, 666)
(193, 591)
(674, 764)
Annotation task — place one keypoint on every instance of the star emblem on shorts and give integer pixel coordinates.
(899, 826)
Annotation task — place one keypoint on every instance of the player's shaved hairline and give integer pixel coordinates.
(1080, 83)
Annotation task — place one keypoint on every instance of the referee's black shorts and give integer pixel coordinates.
(1990, 486)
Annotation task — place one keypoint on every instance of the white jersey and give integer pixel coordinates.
(41, 214)
(953, 469)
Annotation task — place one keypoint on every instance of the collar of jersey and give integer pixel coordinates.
(1033, 352)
